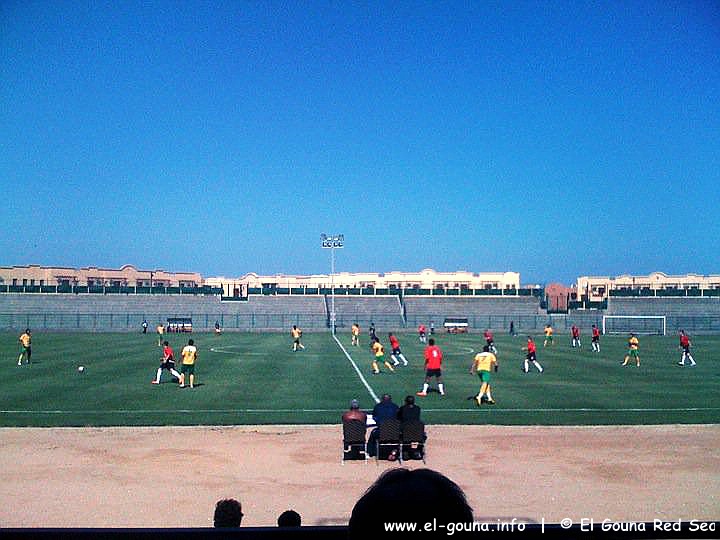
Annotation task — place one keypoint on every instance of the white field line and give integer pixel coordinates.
(222, 350)
(466, 351)
(265, 411)
(357, 370)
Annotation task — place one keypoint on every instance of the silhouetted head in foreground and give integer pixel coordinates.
(289, 518)
(421, 496)
(228, 513)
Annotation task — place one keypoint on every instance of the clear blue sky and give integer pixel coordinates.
(555, 139)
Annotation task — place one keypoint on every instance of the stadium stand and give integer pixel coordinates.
(470, 306)
(119, 312)
(698, 315)
(276, 312)
(303, 305)
(481, 312)
(93, 303)
(385, 311)
(126, 312)
(122, 312)
(680, 306)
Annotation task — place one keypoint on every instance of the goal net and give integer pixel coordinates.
(637, 324)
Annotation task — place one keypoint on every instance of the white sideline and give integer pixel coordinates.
(362, 378)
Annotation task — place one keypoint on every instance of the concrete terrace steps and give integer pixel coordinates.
(270, 305)
(91, 303)
(682, 306)
(55, 303)
(470, 306)
(367, 305)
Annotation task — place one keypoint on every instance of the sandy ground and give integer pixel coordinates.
(170, 477)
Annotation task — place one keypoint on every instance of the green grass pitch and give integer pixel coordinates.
(255, 378)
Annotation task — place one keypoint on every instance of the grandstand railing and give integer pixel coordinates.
(124, 322)
(84, 289)
(119, 322)
(367, 291)
(267, 291)
(130, 322)
(587, 304)
(371, 291)
(646, 291)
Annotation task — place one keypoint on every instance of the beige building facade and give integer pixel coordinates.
(425, 279)
(126, 276)
(598, 288)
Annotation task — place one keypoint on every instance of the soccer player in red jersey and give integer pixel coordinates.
(433, 368)
(685, 346)
(595, 338)
(531, 356)
(167, 362)
(396, 352)
(422, 333)
(575, 332)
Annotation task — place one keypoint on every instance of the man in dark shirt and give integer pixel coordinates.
(409, 411)
(371, 333)
(385, 409)
(382, 411)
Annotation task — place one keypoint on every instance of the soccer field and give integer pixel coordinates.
(255, 378)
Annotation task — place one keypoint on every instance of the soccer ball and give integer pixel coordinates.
(81, 368)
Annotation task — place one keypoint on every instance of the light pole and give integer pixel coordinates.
(332, 243)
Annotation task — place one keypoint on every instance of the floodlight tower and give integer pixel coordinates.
(332, 243)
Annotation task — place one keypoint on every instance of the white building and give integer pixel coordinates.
(425, 279)
(598, 288)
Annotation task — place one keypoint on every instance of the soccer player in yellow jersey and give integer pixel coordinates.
(483, 364)
(296, 334)
(355, 335)
(379, 352)
(25, 339)
(189, 356)
(548, 335)
(633, 351)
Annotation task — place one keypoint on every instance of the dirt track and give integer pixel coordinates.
(169, 477)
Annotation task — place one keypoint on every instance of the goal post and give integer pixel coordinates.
(637, 324)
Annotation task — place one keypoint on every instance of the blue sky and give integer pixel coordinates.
(554, 139)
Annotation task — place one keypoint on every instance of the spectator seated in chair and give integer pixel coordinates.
(352, 419)
(384, 410)
(409, 414)
(354, 413)
(409, 411)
